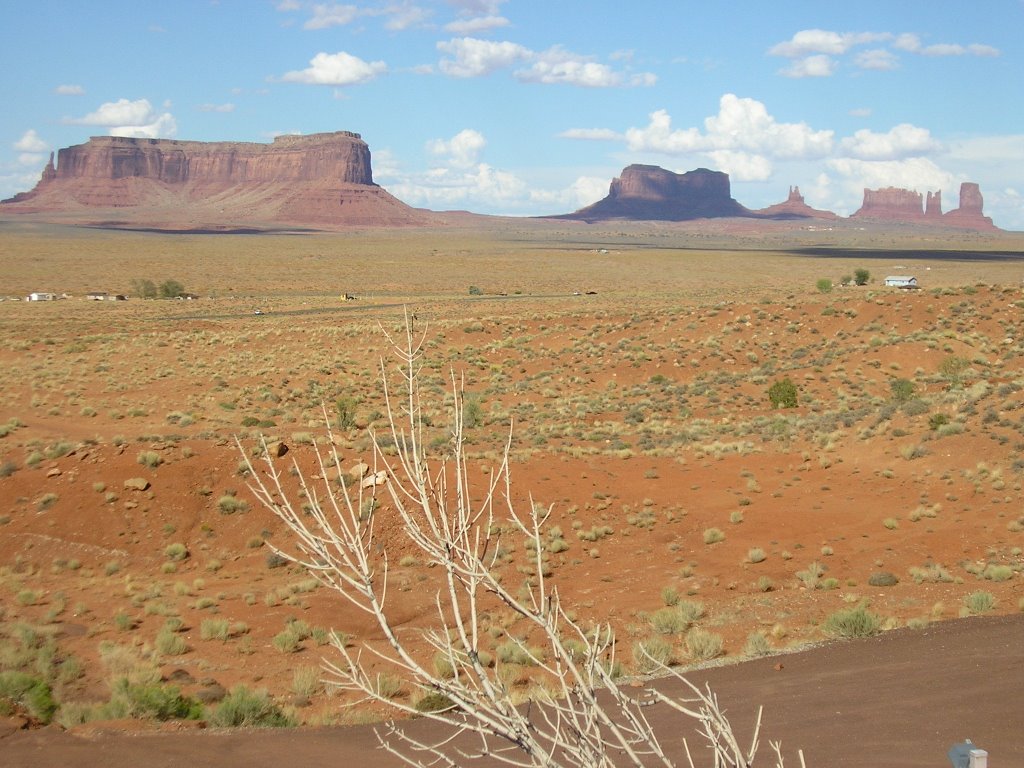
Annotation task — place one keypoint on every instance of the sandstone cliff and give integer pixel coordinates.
(650, 193)
(794, 207)
(904, 205)
(317, 180)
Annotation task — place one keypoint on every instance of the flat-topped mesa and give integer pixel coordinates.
(647, 192)
(341, 157)
(891, 204)
(323, 179)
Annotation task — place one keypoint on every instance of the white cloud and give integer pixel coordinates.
(135, 119)
(591, 134)
(226, 107)
(877, 59)
(742, 166)
(903, 140)
(474, 58)
(481, 185)
(404, 16)
(812, 41)
(813, 52)
(30, 141)
(475, 25)
(741, 125)
(818, 65)
(69, 90)
(477, 7)
(462, 150)
(288, 5)
(861, 112)
(336, 69)
(917, 173)
(331, 15)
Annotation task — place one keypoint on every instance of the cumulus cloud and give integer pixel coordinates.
(69, 90)
(30, 141)
(404, 16)
(903, 140)
(472, 57)
(461, 150)
(136, 119)
(919, 173)
(741, 125)
(337, 69)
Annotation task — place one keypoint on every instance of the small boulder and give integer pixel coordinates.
(277, 449)
(883, 579)
(136, 484)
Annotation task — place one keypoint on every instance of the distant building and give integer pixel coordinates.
(901, 281)
(40, 296)
(96, 296)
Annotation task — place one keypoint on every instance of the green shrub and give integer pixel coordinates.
(782, 394)
(902, 390)
(669, 621)
(176, 551)
(18, 689)
(243, 708)
(861, 276)
(435, 701)
(150, 459)
(713, 536)
(853, 622)
(152, 700)
(979, 602)
(824, 285)
(757, 645)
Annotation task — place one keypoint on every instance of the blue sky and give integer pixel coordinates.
(529, 107)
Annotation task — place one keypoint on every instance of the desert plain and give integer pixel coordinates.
(632, 363)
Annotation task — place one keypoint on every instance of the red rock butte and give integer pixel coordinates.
(319, 180)
(905, 205)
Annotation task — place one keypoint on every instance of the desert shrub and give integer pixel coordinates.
(994, 572)
(713, 536)
(937, 420)
(275, 560)
(168, 643)
(243, 708)
(915, 407)
(703, 645)
(345, 408)
(652, 654)
(861, 276)
(824, 285)
(215, 629)
(435, 701)
(144, 289)
(979, 602)
(669, 621)
(756, 555)
(782, 394)
(21, 690)
(8, 468)
(853, 622)
(152, 700)
(475, 291)
(149, 459)
(229, 504)
(176, 551)
(171, 289)
(902, 390)
(757, 645)
(691, 610)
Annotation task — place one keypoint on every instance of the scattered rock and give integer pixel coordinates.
(883, 579)
(378, 478)
(277, 449)
(181, 676)
(211, 694)
(358, 470)
(53, 472)
(136, 484)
